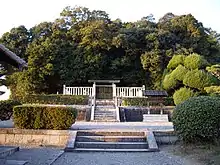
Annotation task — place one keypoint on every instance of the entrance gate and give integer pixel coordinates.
(104, 92)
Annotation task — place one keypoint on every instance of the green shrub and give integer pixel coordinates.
(197, 119)
(150, 101)
(179, 73)
(175, 61)
(43, 117)
(199, 79)
(195, 61)
(183, 94)
(6, 108)
(169, 101)
(135, 102)
(212, 89)
(169, 82)
(54, 99)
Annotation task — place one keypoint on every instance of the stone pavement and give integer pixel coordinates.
(165, 126)
(121, 158)
(6, 124)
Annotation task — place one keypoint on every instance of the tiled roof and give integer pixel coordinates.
(155, 93)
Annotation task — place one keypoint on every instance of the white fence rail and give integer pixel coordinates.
(77, 90)
(117, 91)
(129, 91)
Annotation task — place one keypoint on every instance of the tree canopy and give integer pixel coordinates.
(86, 44)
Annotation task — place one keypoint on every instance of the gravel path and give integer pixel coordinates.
(123, 158)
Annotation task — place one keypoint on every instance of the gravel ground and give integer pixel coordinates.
(122, 158)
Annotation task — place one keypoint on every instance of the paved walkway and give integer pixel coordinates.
(123, 158)
(6, 124)
(168, 126)
(109, 125)
(56, 156)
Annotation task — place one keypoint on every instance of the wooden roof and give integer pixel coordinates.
(104, 81)
(156, 93)
(11, 58)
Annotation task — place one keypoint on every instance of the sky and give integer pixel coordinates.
(31, 12)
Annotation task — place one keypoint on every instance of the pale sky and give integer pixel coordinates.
(31, 12)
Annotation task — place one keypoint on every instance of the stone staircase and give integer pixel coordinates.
(122, 141)
(105, 111)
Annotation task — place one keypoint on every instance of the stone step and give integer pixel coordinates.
(105, 150)
(109, 133)
(108, 120)
(105, 109)
(112, 145)
(155, 118)
(105, 115)
(105, 119)
(105, 112)
(111, 139)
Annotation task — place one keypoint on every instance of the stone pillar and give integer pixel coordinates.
(114, 94)
(93, 93)
(64, 89)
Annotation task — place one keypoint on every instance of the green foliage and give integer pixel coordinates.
(199, 79)
(85, 44)
(169, 82)
(135, 102)
(54, 99)
(179, 73)
(197, 119)
(169, 101)
(215, 70)
(195, 61)
(175, 61)
(213, 90)
(150, 101)
(6, 108)
(183, 94)
(43, 117)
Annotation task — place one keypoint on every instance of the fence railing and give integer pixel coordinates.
(129, 91)
(117, 91)
(77, 90)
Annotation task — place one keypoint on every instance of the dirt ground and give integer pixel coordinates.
(201, 154)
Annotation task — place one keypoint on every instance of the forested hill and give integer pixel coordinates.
(82, 44)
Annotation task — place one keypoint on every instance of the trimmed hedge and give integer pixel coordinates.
(55, 99)
(183, 94)
(195, 61)
(199, 79)
(213, 90)
(151, 101)
(6, 108)
(134, 102)
(169, 82)
(179, 73)
(197, 119)
(43, 117)
(175, 61)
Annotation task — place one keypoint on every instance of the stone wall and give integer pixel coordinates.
(28, 137)
(136, 113)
